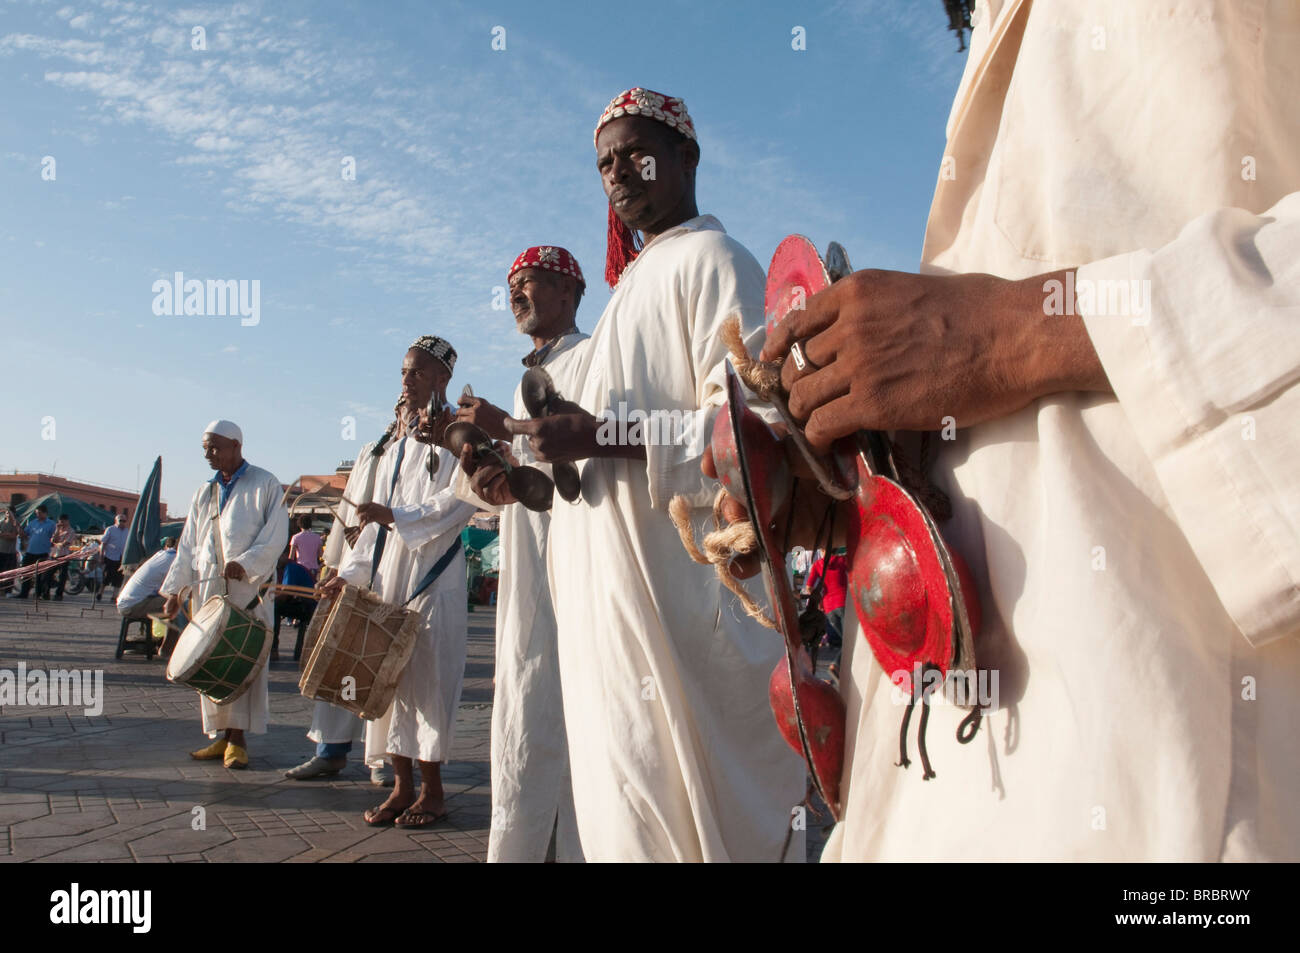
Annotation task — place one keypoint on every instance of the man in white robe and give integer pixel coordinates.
(334, 729)
(1124, 475)
(674, 751)
(416, 532)
(254, 529)
(532, 794)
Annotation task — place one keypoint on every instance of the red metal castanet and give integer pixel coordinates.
(811, 713)
(752, 467)
(795, 275)
(897, 579)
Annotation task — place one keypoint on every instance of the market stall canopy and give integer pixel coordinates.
(483, 546)
(81, 514)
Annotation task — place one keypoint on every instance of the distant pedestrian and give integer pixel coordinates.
(111, 548)
(832, 572)
(92, 569)
(8, 544)
(36, 537)
(61, 545)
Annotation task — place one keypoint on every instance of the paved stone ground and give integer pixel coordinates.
(121, 786)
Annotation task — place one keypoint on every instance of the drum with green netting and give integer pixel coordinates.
(221, 651)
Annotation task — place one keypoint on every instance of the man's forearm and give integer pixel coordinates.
(1054, 349)
(620, 451)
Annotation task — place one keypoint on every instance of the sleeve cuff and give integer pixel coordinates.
(460, 486)
(1183, 372)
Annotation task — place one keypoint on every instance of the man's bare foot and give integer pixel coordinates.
(386, 813)
(423, 812)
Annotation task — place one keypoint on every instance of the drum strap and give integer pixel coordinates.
(382, 537)
(438, 568)
(221, 554)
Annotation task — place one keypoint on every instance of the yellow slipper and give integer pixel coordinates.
(236, 757)
(212, 752)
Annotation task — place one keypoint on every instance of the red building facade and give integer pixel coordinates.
(19, 487)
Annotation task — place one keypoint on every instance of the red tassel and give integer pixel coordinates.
(621, 247)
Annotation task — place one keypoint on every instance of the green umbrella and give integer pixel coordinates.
(142, 539)
(81, 514)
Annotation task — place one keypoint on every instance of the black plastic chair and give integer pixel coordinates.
(146, 625)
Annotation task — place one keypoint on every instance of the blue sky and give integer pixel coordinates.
(225, 163)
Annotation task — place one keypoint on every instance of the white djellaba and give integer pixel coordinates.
(532, 792)
(254, 531)
(427, 520)
(1138, 556)
(674, 751)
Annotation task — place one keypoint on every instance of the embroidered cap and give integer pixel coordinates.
(646, 102)
(551, 258)
(437, 347)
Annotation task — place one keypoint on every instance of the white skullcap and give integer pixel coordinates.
(227, 429)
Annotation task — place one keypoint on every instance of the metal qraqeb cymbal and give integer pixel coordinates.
(837, 262)
(567, 481)
(795, 275)
(906, 588)
(463, 432)
(539, 393)
(809, 712)
(530, 486)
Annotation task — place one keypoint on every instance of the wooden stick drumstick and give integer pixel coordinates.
(284, 589)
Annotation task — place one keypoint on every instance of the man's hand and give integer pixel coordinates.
(331, 588)
(234, 571)
(350, 533)
(431, 429)
(894, 351)
(172, 607)
(488, 477)
(489, 417)
(375, 513)
(569, 433)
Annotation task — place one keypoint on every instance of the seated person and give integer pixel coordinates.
(305, 547)
(293, 607)
(139, 595)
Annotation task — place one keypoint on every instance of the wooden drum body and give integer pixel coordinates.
(221, 651)
(363, 638)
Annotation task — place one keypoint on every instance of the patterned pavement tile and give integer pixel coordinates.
(119, 784)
